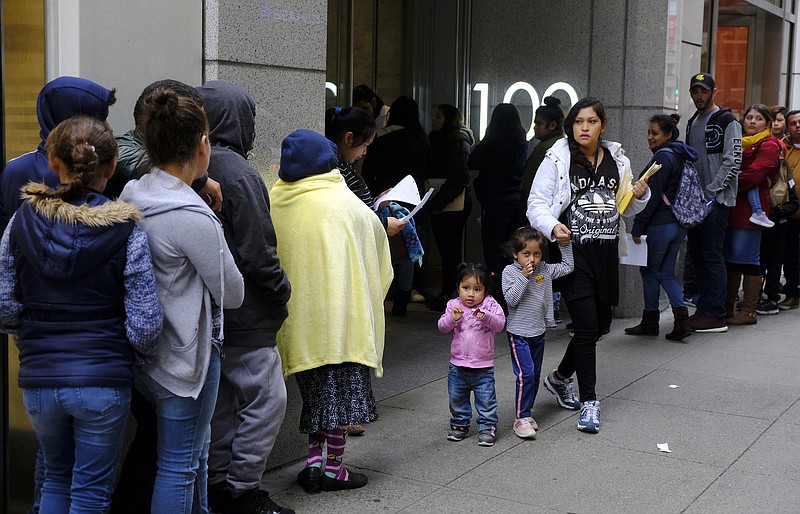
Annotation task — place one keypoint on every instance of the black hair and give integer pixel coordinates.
(574, 148)
(506, 124)
(520, 238)
(762, 109)
(172, 126)
(453, 121)
(84, 144)
(404, 111)
(339, 121)
(668, 124)
(775, 110)
(478, 271)
(551, 111)
(175, 85)
(364, 93)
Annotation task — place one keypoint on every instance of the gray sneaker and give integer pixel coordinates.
(565, 394)
(457, 433)
(486, 437)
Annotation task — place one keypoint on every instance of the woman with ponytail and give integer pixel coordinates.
(580, 190)
(196, 278)
(77, 287)
(664, 234)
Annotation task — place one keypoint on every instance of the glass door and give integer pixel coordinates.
(23, 75)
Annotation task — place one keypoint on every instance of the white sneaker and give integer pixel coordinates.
(759, 218)
(524, 429)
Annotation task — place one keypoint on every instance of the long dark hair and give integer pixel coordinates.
(506, 124)
(84, 144)
(339, 121)
(404, 111)
(574, 148)
(453, 121)
(668, 124)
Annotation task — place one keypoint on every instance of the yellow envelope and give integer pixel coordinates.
(628, 196)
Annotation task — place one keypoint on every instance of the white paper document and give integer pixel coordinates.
(405, 191)
(637, 254)
(419, 205)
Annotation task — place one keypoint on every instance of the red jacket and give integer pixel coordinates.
(759, 169)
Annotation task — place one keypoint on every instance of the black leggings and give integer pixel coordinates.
(590, 317)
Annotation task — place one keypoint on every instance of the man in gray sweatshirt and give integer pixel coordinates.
(717, 137)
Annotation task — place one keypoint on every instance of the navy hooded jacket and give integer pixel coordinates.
(58, 100)
(671, 156)
(75, 327)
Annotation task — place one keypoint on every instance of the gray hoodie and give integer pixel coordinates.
(192, 265)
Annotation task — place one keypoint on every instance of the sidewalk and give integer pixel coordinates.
(733, 425)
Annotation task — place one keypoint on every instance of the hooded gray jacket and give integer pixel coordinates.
(192, 265)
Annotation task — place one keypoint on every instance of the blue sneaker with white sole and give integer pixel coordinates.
(589, 418)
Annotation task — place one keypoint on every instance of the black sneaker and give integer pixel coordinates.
(256, 501)
(767, 307)
(219, 498)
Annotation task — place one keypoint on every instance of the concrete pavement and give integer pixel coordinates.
(733, 425)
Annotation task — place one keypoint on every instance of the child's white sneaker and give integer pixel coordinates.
(759, 218)
(524, 428)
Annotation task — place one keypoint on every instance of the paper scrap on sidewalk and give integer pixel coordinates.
(673, 386)
(663, 447)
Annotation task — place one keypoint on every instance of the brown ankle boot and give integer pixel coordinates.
(681, 327)
(731, 292)
(648, 325)
(752, 291)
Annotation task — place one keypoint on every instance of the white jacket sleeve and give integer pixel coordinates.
(540, 201)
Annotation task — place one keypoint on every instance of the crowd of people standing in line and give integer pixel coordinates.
(182, 291)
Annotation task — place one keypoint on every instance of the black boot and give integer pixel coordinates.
(400, 305)
(648, 326)
(681, 327)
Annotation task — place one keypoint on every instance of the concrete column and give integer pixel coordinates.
(275, 50)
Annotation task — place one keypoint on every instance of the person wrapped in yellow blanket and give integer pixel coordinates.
(335, 253)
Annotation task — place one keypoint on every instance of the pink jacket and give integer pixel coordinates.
(473, 338)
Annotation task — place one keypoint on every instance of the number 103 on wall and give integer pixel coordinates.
(482, 88)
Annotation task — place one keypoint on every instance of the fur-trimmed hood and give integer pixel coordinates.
(69, 239)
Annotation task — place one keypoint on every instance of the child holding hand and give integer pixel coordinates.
(474, 318)
(528, 291)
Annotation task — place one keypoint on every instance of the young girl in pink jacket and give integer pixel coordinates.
(474, 318)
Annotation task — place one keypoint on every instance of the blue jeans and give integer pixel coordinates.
(80, 432)
(526, 361)
(461, 382)
(184, 436)
(706, 243)
(754, 200)
(663, 243)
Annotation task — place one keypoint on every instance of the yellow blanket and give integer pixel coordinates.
(336, 255)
